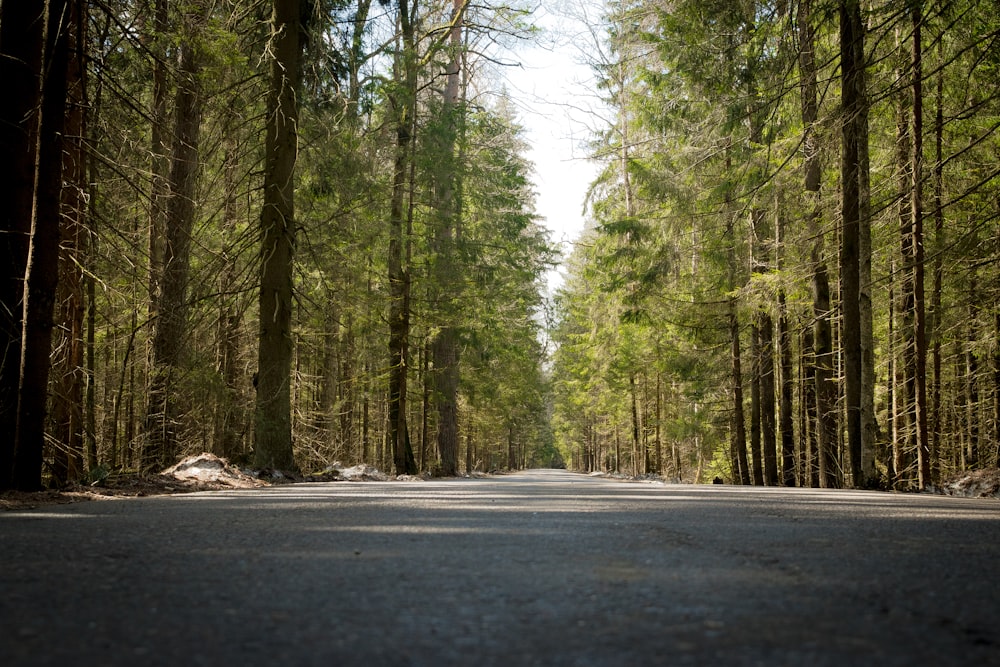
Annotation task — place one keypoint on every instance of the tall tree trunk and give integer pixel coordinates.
(810, 417)
(768, 428)
(163, 413)
(227, 437)
(67, 399)
(159, 195)
(972, 376)
(823, 472)
(21, 35)
(996, 389)
(273, 447)
(659, 438)
(785, 418)
(447, 194)
(896, 384)
(41, 276)
(826, 383)
(398, 273)
(760, 262)
(764, 351)
(935, 315)
(635, 421)
(755, 409)
(869, 424)
(916, 201)
(905, 440)
(852, 87)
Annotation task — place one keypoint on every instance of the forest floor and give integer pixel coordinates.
(207, 472)
(201, 472)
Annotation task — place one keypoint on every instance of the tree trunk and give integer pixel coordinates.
(972, 376)
(755, 409)
(21, 35)
(227, 436)
(768, 430)
(996, 389)
(785, 418)
(398, 273)
(916, 202)
(810, 417)
(159, 195)
(905, 440)
(163, 413)
(273, 447)
(786, 428)
(67, 399)
(41, 277)
(826, 387)
(446, 343)
(852, 86)
(935, 315)
(821, 461)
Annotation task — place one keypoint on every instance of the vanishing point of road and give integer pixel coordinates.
(535, 568)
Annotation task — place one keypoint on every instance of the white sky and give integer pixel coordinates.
(554, 94)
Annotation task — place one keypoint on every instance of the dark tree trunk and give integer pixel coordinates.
(658, 434)
(820, 460)
(935, 315)
(635, 421)
(996, 389)
(163, 413)
(41, 277)
(159, 195)
(916, 201)
(67, 400)
(273, 447)
(786, 423)
(972, 378)
(810, 417)
(446, 344)
(21, 35)
(227, 436)
(852, 76)
(755, 410)
(905, 440)
(826, 384)
(398, 272)
(768, 430)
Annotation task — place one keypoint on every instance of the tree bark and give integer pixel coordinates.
(41, 277)
(916, 201)
(159, 194)
(446, 343)
(768, 428)
(163, 413)
(852, 77)
(273, 447)
(67, 398)
(905, 440)
(398, 273)
(805, 34)
(755, 409)
(826, 387)
(21, 35)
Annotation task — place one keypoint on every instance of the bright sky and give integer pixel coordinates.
(554, 93)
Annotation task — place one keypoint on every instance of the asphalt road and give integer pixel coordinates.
(538, 568)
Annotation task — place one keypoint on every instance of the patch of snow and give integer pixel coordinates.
(972, 484)
(207, 468)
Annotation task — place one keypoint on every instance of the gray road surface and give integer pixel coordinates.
(538, 568)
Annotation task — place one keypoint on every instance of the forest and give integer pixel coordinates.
(792, 275)
(296, 233)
